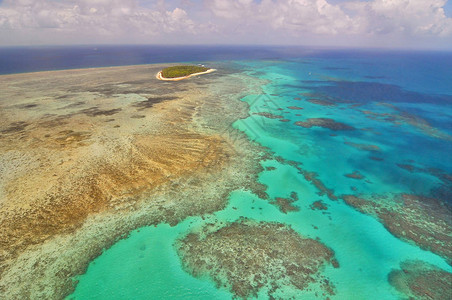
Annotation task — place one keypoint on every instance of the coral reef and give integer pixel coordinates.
(269, 115)
(422, 220)
(355, 175)
(285, 204)
(364, 147)
(318, 205)
(321, 102)
(325, 123)
(419, 280)
(247, 256)
(399, 117)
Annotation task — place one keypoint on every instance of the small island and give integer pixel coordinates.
(182, 72)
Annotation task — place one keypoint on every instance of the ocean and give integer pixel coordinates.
(360, 145)
(35, 59)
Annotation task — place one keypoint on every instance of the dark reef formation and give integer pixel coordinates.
(309, 176)
(286, 204)
(422, 220)
(323, 190)
(269, 115)
(355, 175)
(398, 117)
(363, 91)
(325, 123)
(247, 256)
(443, 176)
(318, 205)
(375, 158)
(364, 147)
(321, 102)
(419, 280)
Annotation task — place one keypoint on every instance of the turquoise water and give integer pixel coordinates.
(146, 266)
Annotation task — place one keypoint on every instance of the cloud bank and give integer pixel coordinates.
(379, 22)
(91, 21)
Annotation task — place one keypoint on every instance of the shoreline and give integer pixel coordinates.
(160, 77)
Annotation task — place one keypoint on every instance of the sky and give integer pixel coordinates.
(412, 24)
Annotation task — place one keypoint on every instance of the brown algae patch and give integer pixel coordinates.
(364, 147)
(151, 101)
(95, 111)
(14, 127)
(420, 280)
(422, 220)
(325, 123)
(247, 256)
(355, 175)
(138, 116)
(321, 102)
(295, 107)
(269, 115)
(318, 205)
(375, 158)
(323, 190)
(309, 176)
(407, 167)
(67, 137)
(285, 205)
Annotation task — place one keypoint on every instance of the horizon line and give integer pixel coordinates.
(238, 45)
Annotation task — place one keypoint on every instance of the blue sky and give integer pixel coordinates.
(356, 23)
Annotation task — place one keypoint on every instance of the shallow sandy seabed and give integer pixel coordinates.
(88, 155)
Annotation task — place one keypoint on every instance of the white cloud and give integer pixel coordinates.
(238, 21)
(411, 17)
(414, 17)
(110, 19)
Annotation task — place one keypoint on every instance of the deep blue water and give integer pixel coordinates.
(33, 59)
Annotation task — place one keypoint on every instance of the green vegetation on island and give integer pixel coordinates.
(181, 71)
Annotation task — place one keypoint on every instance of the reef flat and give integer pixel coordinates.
(88, 155)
